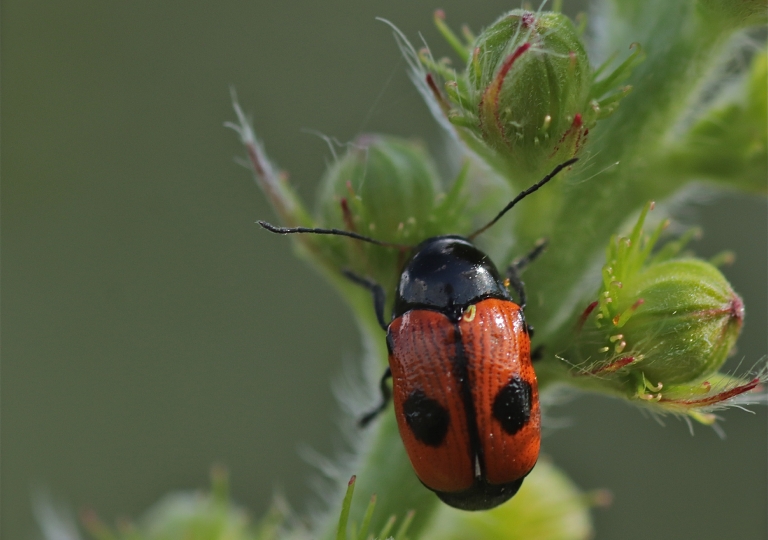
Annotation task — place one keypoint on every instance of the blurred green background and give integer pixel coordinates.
(150, 329)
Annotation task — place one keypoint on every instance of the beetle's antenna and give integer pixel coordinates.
(337, 232)
(523, 194)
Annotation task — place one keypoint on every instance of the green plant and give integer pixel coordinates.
(663, 110)
(653, 327)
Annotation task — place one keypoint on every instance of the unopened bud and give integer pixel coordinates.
(678, 318)
(388, 189)
(529, 81)
(661, 326)
(528, 91)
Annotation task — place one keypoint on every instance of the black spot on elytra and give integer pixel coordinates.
(427, 419)
(512, 406)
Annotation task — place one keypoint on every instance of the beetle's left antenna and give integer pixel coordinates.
(523, 194)
(336, 232)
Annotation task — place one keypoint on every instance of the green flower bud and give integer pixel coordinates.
(687, 323)
(388, 189)
(528, 95)
(661, 326)
(529, 80)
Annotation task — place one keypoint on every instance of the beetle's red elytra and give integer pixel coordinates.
(465, 393)
(432, 360)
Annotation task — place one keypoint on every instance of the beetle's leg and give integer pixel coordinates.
(386, 395)
(537, 353)
(518, 265)
(378, 305)
(376, 290)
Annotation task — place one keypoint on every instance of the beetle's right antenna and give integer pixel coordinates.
(336, 232)
(523, 194)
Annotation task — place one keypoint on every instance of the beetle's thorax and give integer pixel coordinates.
(447, 273)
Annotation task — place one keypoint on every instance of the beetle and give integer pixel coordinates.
(464, 387)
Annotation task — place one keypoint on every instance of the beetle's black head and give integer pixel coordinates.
(446, 274)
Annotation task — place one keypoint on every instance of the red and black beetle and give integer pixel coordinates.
(465, 392)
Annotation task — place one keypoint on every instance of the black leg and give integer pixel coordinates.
(377, 292)
(386, 395)
(378, 305)
(517, 267)
(537, 353)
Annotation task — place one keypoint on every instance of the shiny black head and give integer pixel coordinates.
(446, 274)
